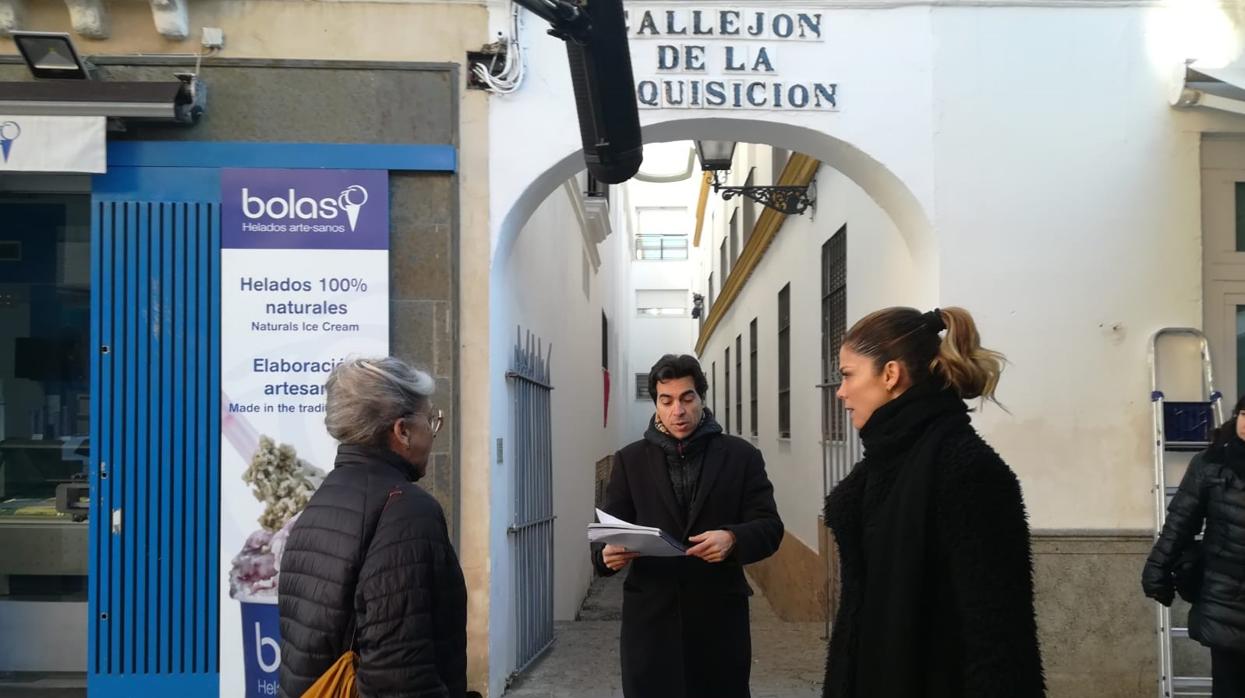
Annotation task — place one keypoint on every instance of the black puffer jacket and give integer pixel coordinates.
(1212, 491)
(397, 572)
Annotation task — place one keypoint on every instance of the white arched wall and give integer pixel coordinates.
(886, 149)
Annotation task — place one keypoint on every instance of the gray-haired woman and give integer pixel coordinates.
(369, 562)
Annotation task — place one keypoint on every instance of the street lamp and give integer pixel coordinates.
(51, 55)
(717, 156)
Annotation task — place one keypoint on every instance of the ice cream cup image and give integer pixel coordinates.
(283, 483)
(261, 647)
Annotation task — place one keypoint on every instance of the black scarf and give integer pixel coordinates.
(684, 457)
(902, 440)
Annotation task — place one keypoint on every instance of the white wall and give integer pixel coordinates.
(795, 465)
(1066, 208)
(648, 338)
(539, 288)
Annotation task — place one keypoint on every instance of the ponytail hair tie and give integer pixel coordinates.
(933, 321)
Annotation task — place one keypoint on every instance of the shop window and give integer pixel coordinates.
(45, 310)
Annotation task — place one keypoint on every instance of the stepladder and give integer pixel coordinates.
(1186, 409)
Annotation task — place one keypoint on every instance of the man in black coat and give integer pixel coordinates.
(685, 630)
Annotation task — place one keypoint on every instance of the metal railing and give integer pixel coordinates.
(531, 530)
(840, 451)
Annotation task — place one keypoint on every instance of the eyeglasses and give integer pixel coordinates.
(435, 421)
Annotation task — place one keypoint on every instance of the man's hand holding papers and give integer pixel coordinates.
(626, 541)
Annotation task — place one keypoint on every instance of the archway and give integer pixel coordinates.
(895, 198)
(887, 189)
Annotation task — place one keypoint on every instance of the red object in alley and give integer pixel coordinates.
(605, 372)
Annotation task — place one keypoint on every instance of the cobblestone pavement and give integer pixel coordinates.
(788, 659)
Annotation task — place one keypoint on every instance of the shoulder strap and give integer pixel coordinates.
(365, 543)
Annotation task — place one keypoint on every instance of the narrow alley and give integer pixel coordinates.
(787, 658)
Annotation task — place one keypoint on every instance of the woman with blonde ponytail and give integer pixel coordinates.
(936, 568)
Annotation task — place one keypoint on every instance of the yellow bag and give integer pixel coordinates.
(338, 681)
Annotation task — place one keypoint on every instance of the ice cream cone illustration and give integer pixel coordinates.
(351, 200)
(9, 132)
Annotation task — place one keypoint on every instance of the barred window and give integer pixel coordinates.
(833, 328)
(784, 362)
(752, 376)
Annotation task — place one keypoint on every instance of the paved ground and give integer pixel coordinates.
(788, 658)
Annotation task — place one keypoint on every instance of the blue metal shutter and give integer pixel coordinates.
(155, 569)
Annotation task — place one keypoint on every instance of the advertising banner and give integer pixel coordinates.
(304, 286)
(53, 143)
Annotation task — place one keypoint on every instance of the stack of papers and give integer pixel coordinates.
(644, 540)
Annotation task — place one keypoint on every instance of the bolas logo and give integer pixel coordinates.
(10, 131)
(351, 201)
(293, 206)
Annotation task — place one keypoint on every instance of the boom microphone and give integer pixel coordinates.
(609, 121)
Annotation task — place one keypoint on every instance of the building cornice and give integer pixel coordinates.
(701, 202)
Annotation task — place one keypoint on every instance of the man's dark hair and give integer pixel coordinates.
(674, 366)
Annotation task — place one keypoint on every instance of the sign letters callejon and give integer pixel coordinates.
(729, 58)
(304, 286)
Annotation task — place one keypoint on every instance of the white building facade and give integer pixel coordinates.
(1022, 159)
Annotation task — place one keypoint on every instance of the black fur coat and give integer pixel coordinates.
(980, 629)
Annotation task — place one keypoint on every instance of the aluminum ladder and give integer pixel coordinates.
(1179, 427)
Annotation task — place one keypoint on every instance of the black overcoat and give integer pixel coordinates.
(685, 631)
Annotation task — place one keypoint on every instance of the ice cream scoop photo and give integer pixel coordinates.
(283, 483)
